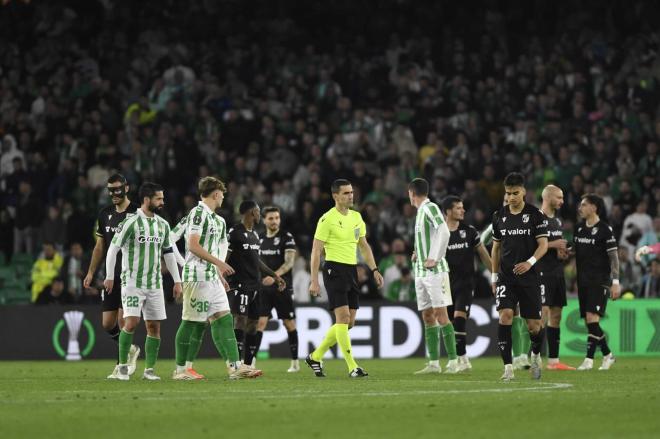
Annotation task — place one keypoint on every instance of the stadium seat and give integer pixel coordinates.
(14, 293)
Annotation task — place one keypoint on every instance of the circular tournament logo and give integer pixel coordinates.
(74, 321)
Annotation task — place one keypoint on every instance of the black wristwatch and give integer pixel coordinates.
(374, 270)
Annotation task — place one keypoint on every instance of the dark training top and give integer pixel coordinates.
(518, 234)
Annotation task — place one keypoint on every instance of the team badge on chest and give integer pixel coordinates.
(525, 218)
(462, 234)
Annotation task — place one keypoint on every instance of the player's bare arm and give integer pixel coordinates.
(365, 250)
(97, 257)
(289, 259)
(314, 263)
(195, 248)
(495, 262)
(525, 266)
(615, 289)
(281, 284)
(484, 256)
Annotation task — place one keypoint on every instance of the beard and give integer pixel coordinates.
(154, 209)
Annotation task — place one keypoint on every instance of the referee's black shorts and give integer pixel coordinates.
(340, 282)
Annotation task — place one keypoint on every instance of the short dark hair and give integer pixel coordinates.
(514, 179)
(419, 187)
(246, 206)
(271, 209)
(337, 184)
(148, 189)
(117, 178)
(449, 201)
(207, 185)
(597, 201)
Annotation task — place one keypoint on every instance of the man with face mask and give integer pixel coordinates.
(108, 222)
(144, 239)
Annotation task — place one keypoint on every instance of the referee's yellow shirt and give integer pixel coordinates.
(340, 233)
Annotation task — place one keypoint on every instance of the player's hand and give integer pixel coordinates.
(87, 282)
(562, 255)
(177, 290)
(281, 284)
(615, 291)
(267, 281)
(225, 269)
(378, 278)
(413, 257)
(562, 244)
(430, 263)
(225, 284)
(314, 288)
(108, 284)
(643, 250)
(521, 268)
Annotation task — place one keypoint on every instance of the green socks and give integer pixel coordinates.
(449, 338)
(329, 341)
(125, 342)
(344, 342)
(182, 341)
(196, 337)
(224, 339)
(151, 347)
(432, 336)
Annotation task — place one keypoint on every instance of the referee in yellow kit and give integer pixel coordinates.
(340, 231)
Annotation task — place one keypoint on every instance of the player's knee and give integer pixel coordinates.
(506, 316)
(261, 326)
(251, 326)
(290, 325)
(441, 316)
(555, 317)
(534, 326)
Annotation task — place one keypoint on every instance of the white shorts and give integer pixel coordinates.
(203, 299)
(433, 291)
(150, 303)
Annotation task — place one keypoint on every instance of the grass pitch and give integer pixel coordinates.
(64, 400)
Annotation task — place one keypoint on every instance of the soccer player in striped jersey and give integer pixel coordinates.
(204, 287)
(432, 277)
(143, 238)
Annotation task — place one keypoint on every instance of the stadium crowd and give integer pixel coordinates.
(281, 99)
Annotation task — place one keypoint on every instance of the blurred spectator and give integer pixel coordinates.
(53, 228)
(366, 284)
(55, 294)
(27, 219)
(402, 289)
(651, 281)
(45, 269)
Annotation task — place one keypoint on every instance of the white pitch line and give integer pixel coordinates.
(233, 394)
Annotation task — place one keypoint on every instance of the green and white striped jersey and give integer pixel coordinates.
(429, 218)
(212, 231)
(142, 240)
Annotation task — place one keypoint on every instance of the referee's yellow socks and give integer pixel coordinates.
(344, 342)
(329, 341)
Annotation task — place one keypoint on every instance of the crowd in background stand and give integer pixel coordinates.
(281, 99)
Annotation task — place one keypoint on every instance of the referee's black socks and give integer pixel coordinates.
(459, 331)
(504, 343)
